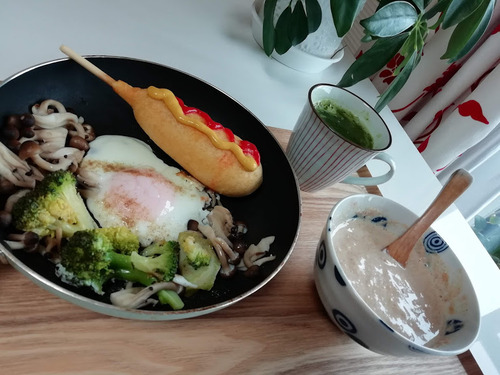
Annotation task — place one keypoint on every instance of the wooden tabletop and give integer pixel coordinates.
(280, 329)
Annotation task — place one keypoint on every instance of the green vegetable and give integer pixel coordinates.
(92, 257)
(122, 239)
(54, 204)
(160, 259)
(170, 297)
(198, 249)
(203, 276)
(89, 258)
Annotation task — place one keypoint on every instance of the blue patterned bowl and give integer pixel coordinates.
(353, 316)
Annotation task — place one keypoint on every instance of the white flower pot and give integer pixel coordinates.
(320, 49)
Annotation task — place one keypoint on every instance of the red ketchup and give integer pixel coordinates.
(248, 148)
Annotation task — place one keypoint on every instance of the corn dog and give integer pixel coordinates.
(209, 152)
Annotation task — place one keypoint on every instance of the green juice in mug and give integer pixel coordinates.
(344, 123)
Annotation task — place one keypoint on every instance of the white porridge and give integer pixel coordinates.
(413, 300)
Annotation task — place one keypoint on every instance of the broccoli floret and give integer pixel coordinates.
(167, 262)
(198, 249)
(122, 239)
(203, 276)
(88, 258)
(92, 257)
(160, 259)
(53, 204)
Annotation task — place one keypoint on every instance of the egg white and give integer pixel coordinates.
(138, 190)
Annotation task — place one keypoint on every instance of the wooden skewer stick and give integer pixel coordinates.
(401, 248)
(87, 64)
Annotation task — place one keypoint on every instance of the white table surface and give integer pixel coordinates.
(212, 40)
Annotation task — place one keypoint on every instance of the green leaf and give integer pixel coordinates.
(314, 14)
(415, 41)
(423, 30)
(383, 3)
(391, 19)
(439, 7)
(420, 4)
(469, 31)
(437, 24)
(413, 45)
(282, 42)
(344, 12)
(458, 10)
(398, 83)
(373, 60)
(298, 28)
(494, 219)
(367, 38)
(268, 33)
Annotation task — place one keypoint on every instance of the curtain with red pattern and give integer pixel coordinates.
(449, 109)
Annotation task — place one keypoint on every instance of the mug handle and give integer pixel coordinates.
(371, 181)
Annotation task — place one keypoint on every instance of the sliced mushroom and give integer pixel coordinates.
(16, 170)
(76, 128)
(65, 153)
(5, 219)
(50, 140)
(13, 198)
(89, 133)
(27, 120)
(51, 114)
(192, 225)
(55, 120)
(252, 272)
(227, 270)
(238, 230)
(219, 243)
(134, 298)
(79, 143)
(88, 181)
(240, 246)
(256, 252)
(44, 108)
(221, 221)
(6, 187)
(27, 241)
(50, 246)
(182, 281)
(32, 150)
(10, 132)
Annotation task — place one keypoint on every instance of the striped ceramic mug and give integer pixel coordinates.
(320, 156)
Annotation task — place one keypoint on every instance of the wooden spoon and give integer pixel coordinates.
(400, 249)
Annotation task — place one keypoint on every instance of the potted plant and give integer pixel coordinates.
(318, 51)
(396, 27)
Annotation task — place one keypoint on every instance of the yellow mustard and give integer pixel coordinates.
(168, 97)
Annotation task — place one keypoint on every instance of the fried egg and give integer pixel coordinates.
(134, 188)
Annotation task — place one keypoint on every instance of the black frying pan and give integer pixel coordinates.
(274, 209)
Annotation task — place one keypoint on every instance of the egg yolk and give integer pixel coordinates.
(140, 195)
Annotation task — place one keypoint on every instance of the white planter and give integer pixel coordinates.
(320, 49)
